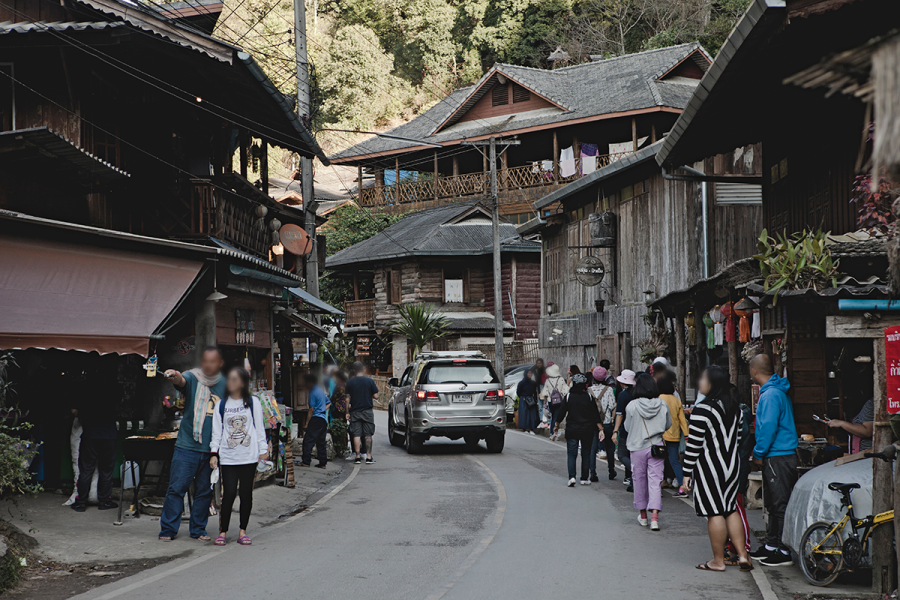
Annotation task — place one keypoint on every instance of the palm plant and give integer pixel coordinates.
(797, 261)
(421, 324)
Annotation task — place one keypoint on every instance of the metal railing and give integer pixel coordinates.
(472, 184)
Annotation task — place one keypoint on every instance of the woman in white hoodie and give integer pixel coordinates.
(646, 418)
(238, 443)
(553, 393)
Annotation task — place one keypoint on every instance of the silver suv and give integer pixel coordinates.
(447, 394)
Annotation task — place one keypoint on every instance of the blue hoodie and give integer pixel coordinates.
(776, 434)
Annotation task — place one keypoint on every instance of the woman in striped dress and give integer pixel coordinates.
(712, 466)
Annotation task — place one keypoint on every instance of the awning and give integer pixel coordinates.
(41, 150)
(82, 297)
(295, 318)
(313, 301)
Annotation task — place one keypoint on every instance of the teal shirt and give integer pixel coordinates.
(186, 439)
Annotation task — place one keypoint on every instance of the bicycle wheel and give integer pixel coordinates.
(822, 565)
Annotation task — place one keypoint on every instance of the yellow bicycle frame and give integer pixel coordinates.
(834, 530)
(880, 518)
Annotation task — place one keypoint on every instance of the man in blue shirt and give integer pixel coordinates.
(316, 423)
(775, 450)
(202, 388)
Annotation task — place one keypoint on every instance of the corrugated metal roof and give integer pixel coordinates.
(228, 250)
(619, 84)
(460, 229)
(44, 144)
(27, 27)
(472, 321)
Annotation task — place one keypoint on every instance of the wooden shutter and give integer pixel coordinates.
(520, 94)
(499, 95)
(396, 288)
(466, 286)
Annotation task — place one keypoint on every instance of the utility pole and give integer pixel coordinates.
(304, 109)
(492, 143)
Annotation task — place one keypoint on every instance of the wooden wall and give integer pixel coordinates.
(483, 109)
(225, 319)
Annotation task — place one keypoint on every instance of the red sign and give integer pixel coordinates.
(892, 358)
(295, 239)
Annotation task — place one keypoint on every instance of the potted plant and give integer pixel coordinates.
(599, 304)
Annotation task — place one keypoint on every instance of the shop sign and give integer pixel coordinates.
(363, 345)
(589, 271)
(295, 239)
(892, 360)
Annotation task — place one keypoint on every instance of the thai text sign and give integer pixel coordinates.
(892, 361)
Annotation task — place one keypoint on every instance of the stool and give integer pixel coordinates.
(754, 498)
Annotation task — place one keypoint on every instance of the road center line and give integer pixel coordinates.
(485, 541)
(216, 553)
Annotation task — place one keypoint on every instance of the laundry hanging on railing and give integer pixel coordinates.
(567, 162)
(589, 154)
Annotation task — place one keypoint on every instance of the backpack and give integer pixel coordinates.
(555, 395)
(253, 401)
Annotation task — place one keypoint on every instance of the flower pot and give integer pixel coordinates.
(599, 304)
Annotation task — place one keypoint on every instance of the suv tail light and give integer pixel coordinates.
(493, 394)
(423, 396)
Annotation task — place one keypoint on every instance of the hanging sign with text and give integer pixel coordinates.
(892, 361)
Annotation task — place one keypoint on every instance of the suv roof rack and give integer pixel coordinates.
(451, 354)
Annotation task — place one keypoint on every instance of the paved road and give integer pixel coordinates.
(456, 524)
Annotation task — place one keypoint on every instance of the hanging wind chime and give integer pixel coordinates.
(728, 313)
(692, 329)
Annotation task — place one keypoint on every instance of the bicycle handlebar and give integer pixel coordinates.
(887, 455)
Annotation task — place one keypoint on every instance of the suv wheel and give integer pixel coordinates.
(495, 442)
(471, 440)
(395, 438)
(414, 442)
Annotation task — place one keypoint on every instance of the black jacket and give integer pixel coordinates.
(582, 412)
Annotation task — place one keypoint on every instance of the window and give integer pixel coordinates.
(499, 95)
(456, 285)
(458, 372)
(404, 381)
(520, 94)
(7, 98)
(392, 285)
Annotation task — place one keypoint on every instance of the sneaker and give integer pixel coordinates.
(107, 505)
(680, 493)
(571, 482)
(760, 553)
(777, 559)
(594, 478)
(357, 461)
(630, 488)
(585, 482)
(78, 506)
(370, 461)
(627, 481)
(531, 433)
(612, 475)
(642, 520)
(654, 525)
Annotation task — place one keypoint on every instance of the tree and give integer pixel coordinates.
(347, 226)
(421, 324)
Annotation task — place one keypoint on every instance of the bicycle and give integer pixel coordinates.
(824, 553)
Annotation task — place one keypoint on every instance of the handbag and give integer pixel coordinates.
(655, 451)
(530, 401)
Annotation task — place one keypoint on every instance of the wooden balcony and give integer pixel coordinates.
(358, 313)
(473, 184)
(227, 217)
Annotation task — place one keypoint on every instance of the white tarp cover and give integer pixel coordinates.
(812, 501)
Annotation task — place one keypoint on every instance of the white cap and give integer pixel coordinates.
(661, 359)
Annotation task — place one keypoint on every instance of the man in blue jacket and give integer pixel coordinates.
(775, 450)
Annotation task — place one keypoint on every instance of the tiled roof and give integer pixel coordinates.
(603, 87)
(459, 229)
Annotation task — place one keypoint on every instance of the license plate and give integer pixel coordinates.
(461, 398)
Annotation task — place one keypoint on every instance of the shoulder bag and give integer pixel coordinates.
(655, 451)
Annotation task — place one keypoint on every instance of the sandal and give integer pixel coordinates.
(203, 538)
(245, 540)
(705, 567)
(165, 538)
(732, 561)
(220, 541)
(746, 567)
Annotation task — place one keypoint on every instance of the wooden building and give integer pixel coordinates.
(813, 148)
(570, 121)
(653, 235)
(439, 256)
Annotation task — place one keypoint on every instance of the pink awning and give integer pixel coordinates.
(80, 297)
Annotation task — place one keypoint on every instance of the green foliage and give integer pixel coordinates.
(10, 570)
(801, 260)
(421, 324)
(339, 430)
(7, 360)
(15, 456)
(347, 226)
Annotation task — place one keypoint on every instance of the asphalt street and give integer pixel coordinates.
(451, 524)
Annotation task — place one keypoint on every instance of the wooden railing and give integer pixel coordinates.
(359, 312)
(229, 219)
(472, 184)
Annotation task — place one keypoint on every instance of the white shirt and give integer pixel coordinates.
(235, 438)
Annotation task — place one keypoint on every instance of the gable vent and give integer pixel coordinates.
(520, 94)
(499, 95)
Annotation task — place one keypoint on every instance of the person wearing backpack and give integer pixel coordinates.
(555, 389)
(238, 444)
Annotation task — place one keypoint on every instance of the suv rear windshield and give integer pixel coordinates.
(458, 372)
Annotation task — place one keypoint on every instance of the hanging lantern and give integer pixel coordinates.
(728, 314)
(261, 211)
(710, 335)
(274, 224)
(692, 329)
(719, 324)
(744, 309)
